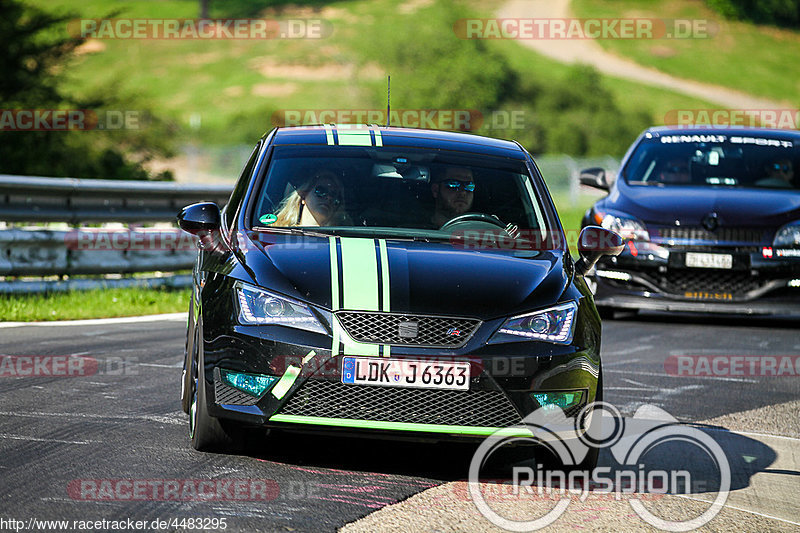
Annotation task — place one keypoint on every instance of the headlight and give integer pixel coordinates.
(257, 306)
(788, 236)
(552, 325)
(629, 228)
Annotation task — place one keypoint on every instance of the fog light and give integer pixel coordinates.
(613, 274)
(564, 400)
(252, 384)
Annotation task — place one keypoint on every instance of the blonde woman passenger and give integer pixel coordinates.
(317, 202)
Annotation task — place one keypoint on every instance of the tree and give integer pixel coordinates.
(32, 53)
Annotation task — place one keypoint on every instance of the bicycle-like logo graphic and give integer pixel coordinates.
(600, 425)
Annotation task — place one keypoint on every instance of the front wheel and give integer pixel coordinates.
(208, 433)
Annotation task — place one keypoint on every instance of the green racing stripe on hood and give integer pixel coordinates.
(363, 287)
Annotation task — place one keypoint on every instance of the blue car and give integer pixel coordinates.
(386, 281)
(710, 219)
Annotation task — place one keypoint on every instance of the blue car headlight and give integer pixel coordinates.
(554, 324)
(788, 236)
(258, 306)
(628, 227)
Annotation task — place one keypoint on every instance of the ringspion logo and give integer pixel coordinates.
(598, 425)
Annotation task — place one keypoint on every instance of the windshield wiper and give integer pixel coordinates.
(294, 231)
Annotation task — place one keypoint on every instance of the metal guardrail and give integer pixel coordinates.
(36, 199)
(28, 252)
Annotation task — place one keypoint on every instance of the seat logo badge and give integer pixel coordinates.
(711, 221)
(408, 330)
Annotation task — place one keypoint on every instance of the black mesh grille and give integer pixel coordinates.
(698, 233)
(477, 408)
(573, 411)
(409, 330)
(227, 395)
(710, 280)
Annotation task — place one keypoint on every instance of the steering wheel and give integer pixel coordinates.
(474, 217)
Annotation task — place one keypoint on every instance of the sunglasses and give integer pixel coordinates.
(454, 185)
(320, 191)
(778, 167)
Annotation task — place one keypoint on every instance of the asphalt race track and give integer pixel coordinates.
(60, 437)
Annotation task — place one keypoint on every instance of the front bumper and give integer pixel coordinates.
(311, 396)
(655, 277)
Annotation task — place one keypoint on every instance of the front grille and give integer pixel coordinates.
(713, 248)
(224, 394)
(572, 412)
(332, 399)
(699, 233)
(407, 330)
(710, 280)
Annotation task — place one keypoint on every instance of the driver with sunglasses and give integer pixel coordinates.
(779, 174)
(453, 194)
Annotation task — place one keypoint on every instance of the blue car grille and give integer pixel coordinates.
(699, 233)
(711, 280)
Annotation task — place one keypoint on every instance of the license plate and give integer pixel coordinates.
(405, 373)
(696, 260)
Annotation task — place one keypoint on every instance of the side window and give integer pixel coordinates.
(240, 188)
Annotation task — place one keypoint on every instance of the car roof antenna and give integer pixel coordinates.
(388, 99)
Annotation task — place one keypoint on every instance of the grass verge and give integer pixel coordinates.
(759, 60)
(101, 303)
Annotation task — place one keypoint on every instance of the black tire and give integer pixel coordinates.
(189, 366)
(208, 434)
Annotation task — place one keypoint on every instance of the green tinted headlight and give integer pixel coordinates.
(252, 384)
(564, 399)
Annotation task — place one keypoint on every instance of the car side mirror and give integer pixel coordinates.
(593, 243)
(199, 218)
(594, 177)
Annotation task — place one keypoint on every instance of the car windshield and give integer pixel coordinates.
(713, 160)
(397, 191)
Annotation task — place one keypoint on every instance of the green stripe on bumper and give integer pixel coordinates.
(401, 426)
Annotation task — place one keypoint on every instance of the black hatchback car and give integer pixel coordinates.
(386, 281)
(711, 220)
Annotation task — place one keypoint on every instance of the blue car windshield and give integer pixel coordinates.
(403, 191)
(715, 160)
